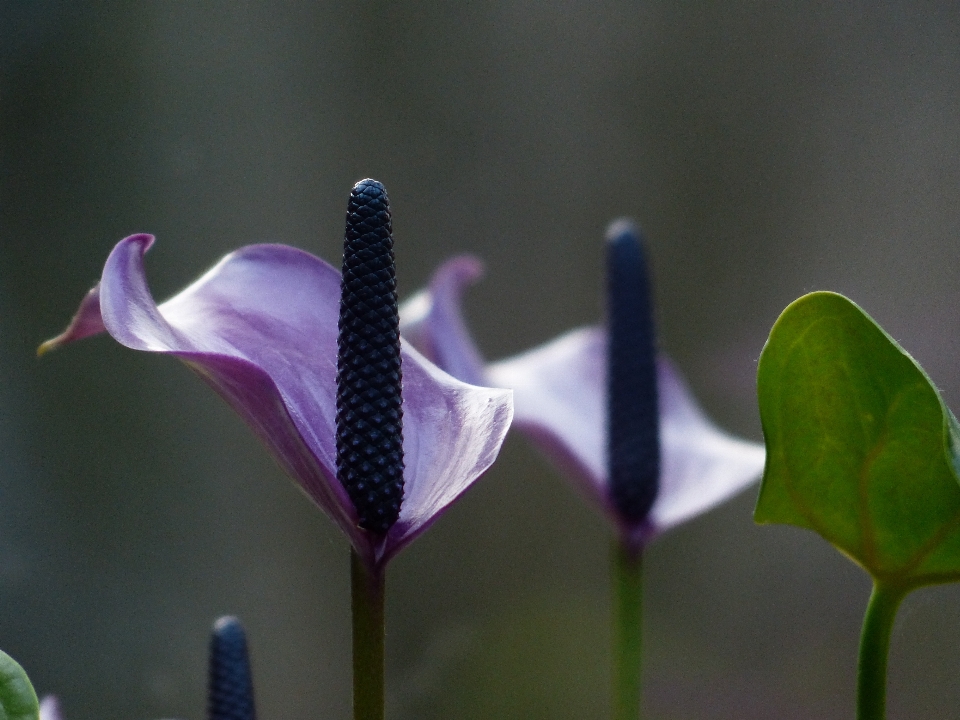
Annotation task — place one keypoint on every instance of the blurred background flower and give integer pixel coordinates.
(560, 404)
(766, 150)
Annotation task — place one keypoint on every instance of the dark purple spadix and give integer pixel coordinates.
(633, 426)
(230, 686)
(369, 411)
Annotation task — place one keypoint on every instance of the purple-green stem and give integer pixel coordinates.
(875, 648)
(627, 630)
(367, 586)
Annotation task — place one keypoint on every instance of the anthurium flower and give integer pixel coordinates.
(613, 414)
(560, 404)
(260, 328)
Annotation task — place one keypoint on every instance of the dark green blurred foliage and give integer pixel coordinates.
(767, 150)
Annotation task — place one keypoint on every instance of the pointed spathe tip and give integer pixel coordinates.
(49, 345)
(86, 322)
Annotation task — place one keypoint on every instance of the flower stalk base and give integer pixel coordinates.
(368, 639)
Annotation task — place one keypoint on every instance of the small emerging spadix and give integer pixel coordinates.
(230, 685)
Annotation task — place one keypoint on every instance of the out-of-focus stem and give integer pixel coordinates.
(627, 573)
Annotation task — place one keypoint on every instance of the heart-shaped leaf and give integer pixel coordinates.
(18, 701)
(860, 446)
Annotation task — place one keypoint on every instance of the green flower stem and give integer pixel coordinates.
(368, 634)
(627, 631)
(874, 649)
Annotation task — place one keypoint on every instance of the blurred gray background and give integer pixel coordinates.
(769, 149)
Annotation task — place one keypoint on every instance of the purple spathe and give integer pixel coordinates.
(559, 399)
(432, 321)
(50, 708)
(260, 327)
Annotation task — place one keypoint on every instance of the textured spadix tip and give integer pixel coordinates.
(230, 684)
(633, 426)
(369, 407)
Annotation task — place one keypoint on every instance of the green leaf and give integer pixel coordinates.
(860, 446)
(18, 701)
